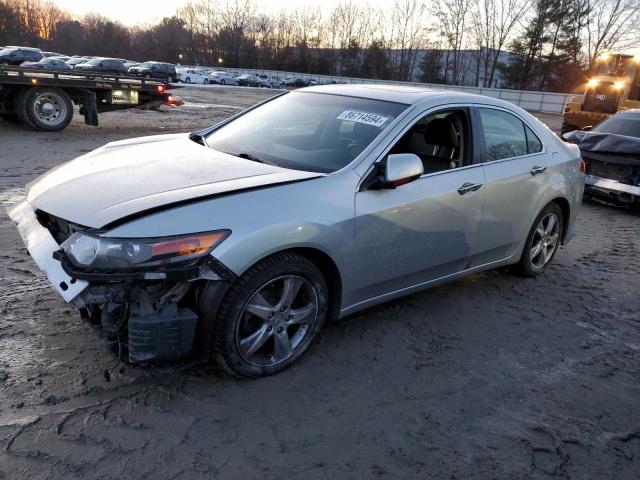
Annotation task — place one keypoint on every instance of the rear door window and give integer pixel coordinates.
(505, 135)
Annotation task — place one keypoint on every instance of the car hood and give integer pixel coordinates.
(131, 176)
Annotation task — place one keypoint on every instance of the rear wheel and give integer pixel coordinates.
(45, 109)
(170, 79)
(543, 241)
(187, 80)
(270, 316)
(206, 81)
(567, 127)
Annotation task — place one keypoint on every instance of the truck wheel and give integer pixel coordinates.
(20, 107)
(567, 127)
(45, 109)
(10, 117)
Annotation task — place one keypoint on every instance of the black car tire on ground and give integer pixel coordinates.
(187, 80)
(526, 266)
(232, 314)
(206, 81)
(170, 79)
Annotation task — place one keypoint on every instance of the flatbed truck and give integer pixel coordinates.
(44, 99)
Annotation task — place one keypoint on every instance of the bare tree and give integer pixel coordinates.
(453, 17)
(614, 24)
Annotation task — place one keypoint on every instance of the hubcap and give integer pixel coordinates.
(50, 108)
(545, 240)
(276, 320)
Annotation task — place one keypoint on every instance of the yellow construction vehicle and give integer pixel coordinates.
(614, 86)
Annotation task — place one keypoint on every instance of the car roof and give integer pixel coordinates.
(631, 113)
(409, 95)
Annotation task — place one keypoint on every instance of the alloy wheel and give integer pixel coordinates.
(545, 240)
(276, 320)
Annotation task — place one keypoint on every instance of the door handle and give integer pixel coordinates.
(467, 187)
(536, 170)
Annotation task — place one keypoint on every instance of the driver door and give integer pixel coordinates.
(426, 229)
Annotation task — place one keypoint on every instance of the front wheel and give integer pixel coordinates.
(170, 79)
(206, 81)
(270, 316)
(543, 241)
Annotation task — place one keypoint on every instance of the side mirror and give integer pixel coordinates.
(587, 128)
(402, 168)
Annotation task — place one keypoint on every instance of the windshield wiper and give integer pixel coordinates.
(253, 158)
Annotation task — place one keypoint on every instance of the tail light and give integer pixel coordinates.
(160, 88)
(583, 166)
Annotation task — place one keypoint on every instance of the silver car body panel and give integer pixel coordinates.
(384, 243)
(143, 174)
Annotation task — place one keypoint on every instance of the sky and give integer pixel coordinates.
(135, 12)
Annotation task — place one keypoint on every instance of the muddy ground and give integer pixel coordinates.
(493, 376)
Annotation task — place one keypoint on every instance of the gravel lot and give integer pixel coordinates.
(493, 376)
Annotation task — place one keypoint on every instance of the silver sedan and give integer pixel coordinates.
(240, 241)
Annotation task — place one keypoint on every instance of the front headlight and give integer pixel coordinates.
(88, 251)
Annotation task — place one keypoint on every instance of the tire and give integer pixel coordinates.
(532, 264)
(187, 80)
(222, 82)
(10, 117)
(170, 79)
(206, 81)
(249, 344)
(45, 109)
(147, 76)
(20, 107)
(567, 127)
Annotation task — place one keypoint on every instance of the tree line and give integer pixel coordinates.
(529, 44)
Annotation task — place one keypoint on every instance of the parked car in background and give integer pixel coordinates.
(611, 151)
(269, 81)
(296, 82)
(248, 236)
(52, 54)
(130, 63)
(18, 55)
(192, 75)
(73, 61)
(110, 66)
(247, 80)
(156, 70)
(49, 63)
(221, 77)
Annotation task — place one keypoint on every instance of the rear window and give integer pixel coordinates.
(628, 125)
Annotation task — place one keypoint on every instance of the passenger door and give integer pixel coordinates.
(426, 229)
(516, 170)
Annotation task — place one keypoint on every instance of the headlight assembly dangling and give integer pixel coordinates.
(89, 251)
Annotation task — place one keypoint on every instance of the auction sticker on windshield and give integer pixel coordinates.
(363, 117)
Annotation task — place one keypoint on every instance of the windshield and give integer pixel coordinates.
(307, 131)
(628, 125)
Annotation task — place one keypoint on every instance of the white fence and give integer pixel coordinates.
(546, 102)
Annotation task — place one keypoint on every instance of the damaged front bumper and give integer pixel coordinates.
(605, 187)
(151, 314)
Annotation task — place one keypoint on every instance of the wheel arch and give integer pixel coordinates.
(328, 268)
(564, 205)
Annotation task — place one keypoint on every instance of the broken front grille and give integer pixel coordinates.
(59, 228)
(629, 174)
